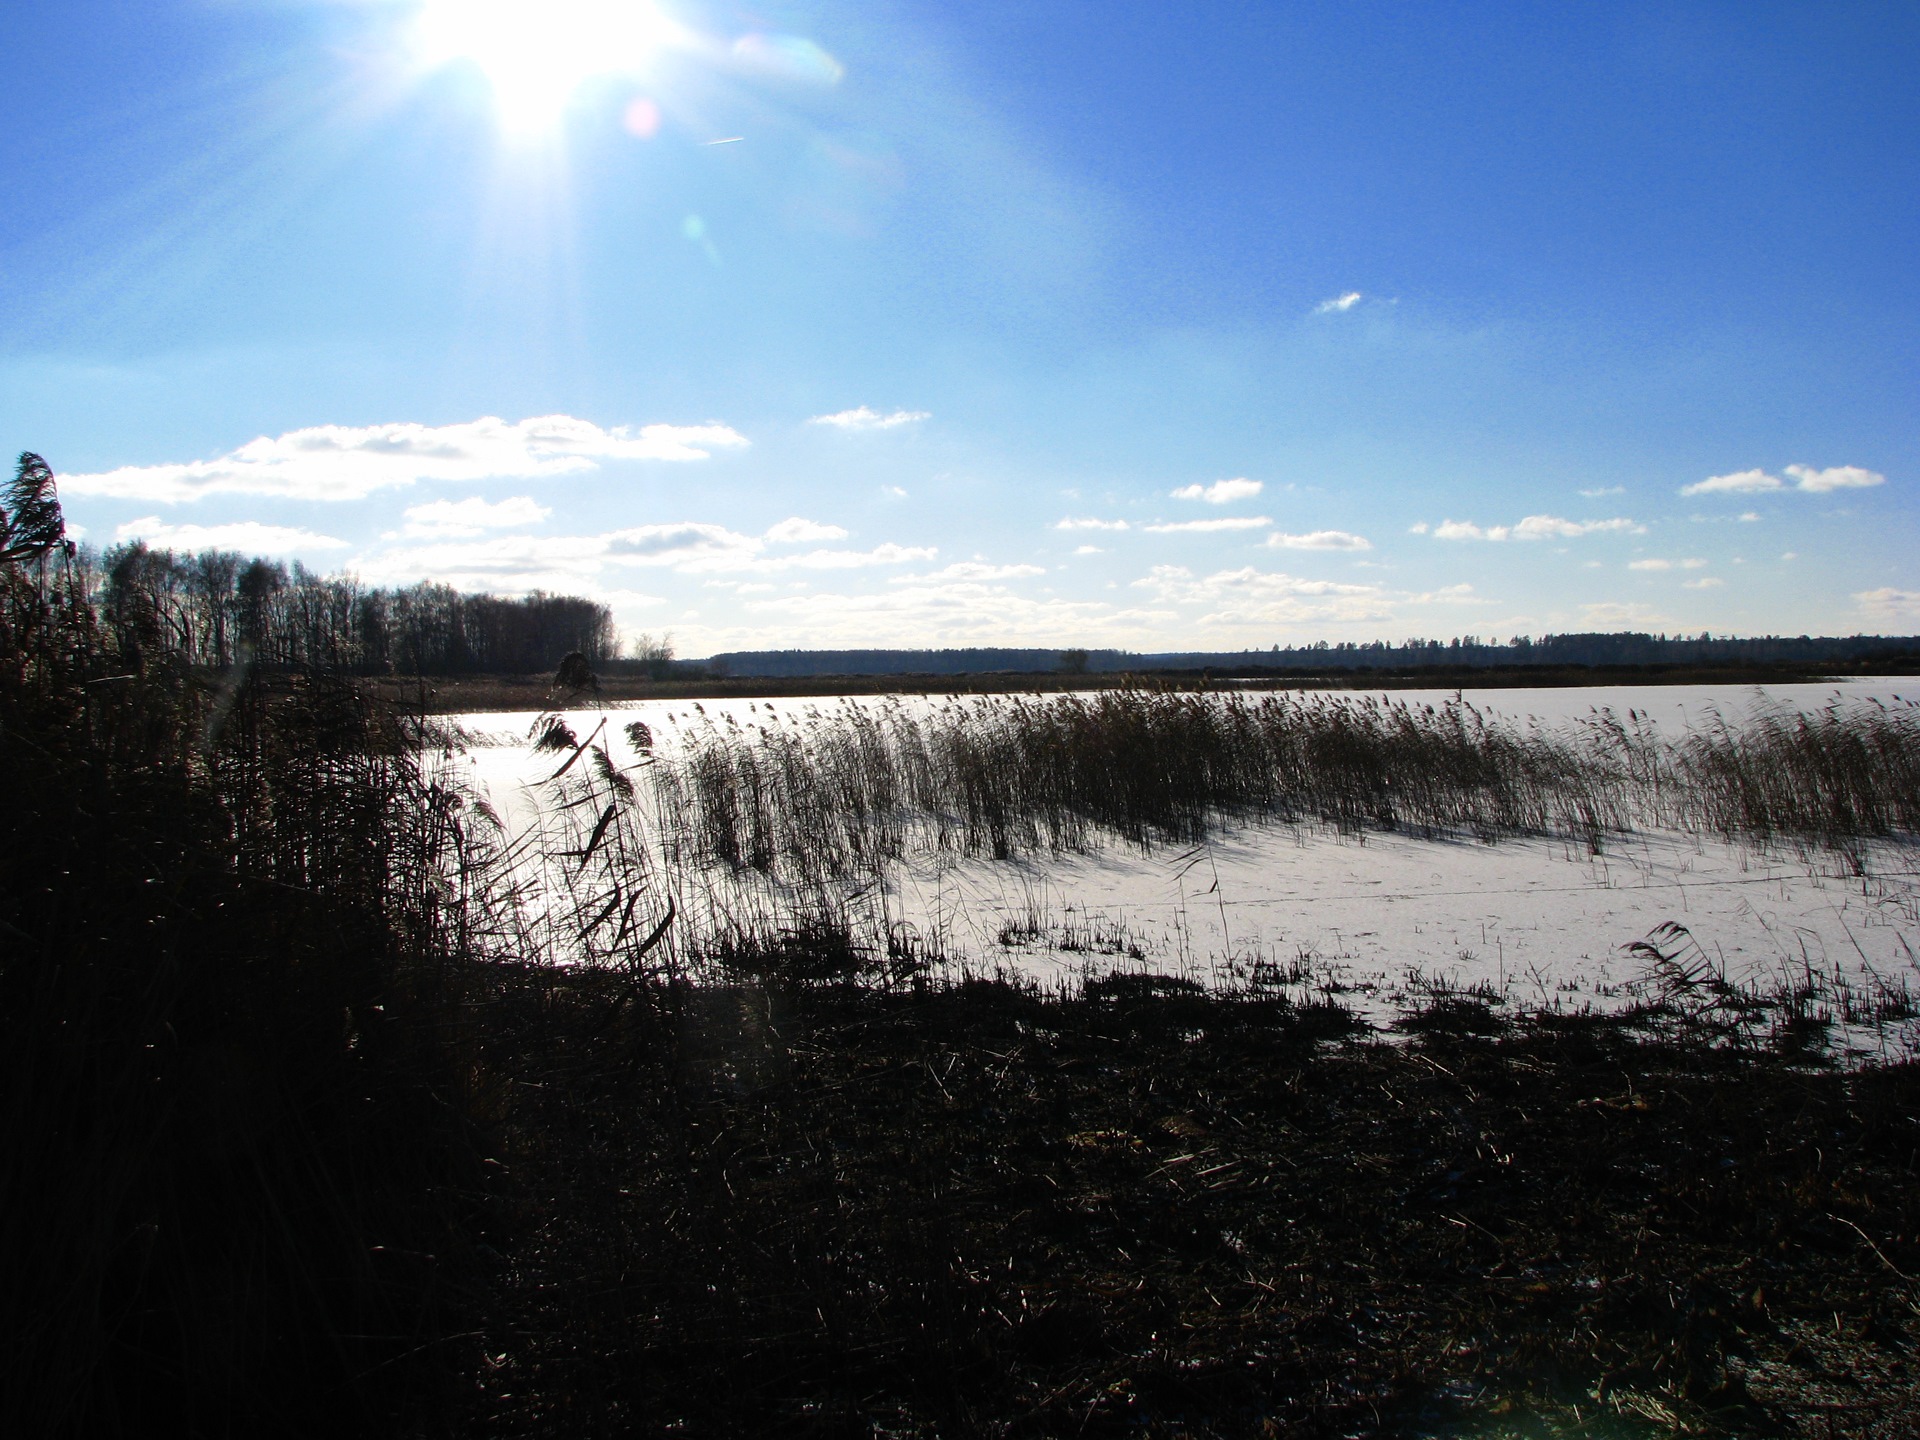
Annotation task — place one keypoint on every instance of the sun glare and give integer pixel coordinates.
(536, 53)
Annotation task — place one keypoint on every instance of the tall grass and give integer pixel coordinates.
(831, 796)
(236, 1164)
(787, 826)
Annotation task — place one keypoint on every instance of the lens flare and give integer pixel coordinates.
(537, 53)
(789, 57)
(641, 118)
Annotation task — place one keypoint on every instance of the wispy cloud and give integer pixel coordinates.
(970, 570)
(458, 519)
(1534, 527)
(1248, 595)
(796, 531)
(1203, 527)
(1339, 304)
(1221, 492)
(1090, 523)
(863, 418)
(1319, 540)
(887, 554)
(1656, 563)
(930, 611)
(342, 462)
(1889, 603)
(248, 536)
(1600, 492)
(1705, 582)
(1606, 614)
(518, 563)
(1804, 478)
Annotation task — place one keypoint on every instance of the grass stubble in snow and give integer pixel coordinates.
(1373, 849)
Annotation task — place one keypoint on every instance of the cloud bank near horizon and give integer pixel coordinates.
(344, 462)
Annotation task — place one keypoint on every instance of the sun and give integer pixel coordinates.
(536, 53)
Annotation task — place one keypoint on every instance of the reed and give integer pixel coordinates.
(834, 796)
(238, 1163)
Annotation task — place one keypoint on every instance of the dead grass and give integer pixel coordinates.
(1150, 1211)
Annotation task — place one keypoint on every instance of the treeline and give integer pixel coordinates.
(776, 663)
(218, 607)
(1595, 649)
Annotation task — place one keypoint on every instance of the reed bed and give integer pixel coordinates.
(835, 796)
(240, 1162)
(778, 845)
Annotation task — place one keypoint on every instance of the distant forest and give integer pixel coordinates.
(216, 607)
(1469, 651)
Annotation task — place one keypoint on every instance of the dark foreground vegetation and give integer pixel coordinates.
(1146, 1211)
(237, 1165)
(293, 1142)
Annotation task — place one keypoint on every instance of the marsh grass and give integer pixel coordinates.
(836, 795)
(238, 1172)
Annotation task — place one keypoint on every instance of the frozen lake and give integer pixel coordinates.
(1374, 918)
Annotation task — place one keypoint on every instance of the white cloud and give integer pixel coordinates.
(1535, 527)
(1741, 482)
(1600, 492)
(1461, 594)
(456, 519)
(1221, 492)
(1805, 478)
(1705, 582)
(1649, 565)
(1250, 596)
(1545, 527)
(924, 611)
(1339, 304)
(1319, 540)
(684, 545)
(1419, 527)
(1088, 550)
(249, 537)
(518, 563)
(887, 554)
(796, 531)
(1888, 603)
(1090, 523)
(863, 418)
(502, 564)
(341, 462)
(1203, 527)
(970, 570)
(1749, 517)
(1609, 613)
(1840, 477)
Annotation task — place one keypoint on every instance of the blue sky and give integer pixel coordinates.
(1208, 325)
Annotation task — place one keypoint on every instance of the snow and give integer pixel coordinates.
(1374, 919)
